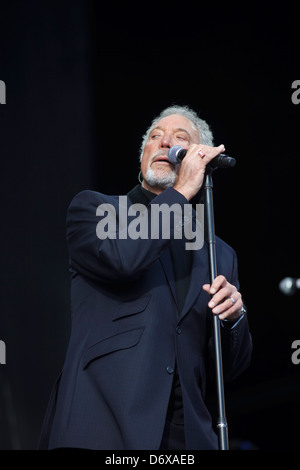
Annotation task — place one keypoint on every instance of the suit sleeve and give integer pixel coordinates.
(113, 258)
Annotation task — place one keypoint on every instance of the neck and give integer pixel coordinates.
(154, 189)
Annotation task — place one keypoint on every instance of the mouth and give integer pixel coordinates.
(162, 159)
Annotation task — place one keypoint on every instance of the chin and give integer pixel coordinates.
(162, 180)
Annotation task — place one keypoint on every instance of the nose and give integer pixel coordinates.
(166, 140)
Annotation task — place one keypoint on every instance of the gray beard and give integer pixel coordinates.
(164, 182)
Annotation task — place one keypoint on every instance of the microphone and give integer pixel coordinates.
(289, 285)
(176, 154)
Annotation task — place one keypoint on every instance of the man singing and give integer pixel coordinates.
(141, 343)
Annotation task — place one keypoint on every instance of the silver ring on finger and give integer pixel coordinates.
(232, 300)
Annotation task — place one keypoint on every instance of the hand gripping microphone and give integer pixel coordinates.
(177, 153)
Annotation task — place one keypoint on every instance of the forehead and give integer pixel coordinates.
(176, 121)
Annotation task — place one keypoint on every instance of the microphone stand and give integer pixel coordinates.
(210, 238)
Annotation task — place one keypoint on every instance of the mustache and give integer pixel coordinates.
(157, 154)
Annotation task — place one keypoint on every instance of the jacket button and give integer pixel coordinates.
(170, 370)
(178, 330)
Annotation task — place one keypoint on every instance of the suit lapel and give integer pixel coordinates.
(136, 195)
(199, 276)
(167, 265)
(199, 271)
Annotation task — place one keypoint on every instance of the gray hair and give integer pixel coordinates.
(205, 133)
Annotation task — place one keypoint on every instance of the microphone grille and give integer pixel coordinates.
(172, 154)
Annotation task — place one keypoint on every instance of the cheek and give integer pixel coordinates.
(146, 158)
(144, 165)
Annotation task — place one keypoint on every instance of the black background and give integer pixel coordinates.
(83, 81)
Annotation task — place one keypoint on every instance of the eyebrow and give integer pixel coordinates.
(180, 129)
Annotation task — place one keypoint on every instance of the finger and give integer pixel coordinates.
(212, 290)
(219, 281)
(223, 293)
(228, 308)
(226, 303)
(206, 287)
(209, 153)
(206, 152)
(233, 312)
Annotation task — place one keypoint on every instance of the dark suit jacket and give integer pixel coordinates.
(127, 335)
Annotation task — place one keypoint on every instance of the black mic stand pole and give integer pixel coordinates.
(210, 238)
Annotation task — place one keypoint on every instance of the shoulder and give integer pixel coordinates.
(88, 198)
(84, 205)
